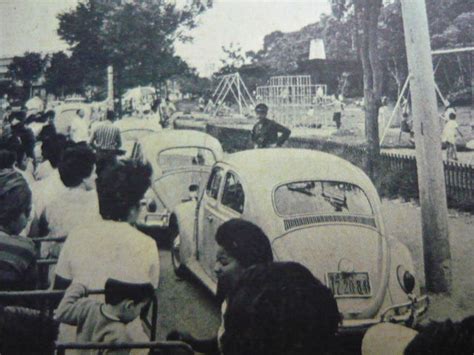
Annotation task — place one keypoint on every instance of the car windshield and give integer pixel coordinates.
(321, 197)
(175, 158)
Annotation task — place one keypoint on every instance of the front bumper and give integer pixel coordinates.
(404, 313)
(154, 221)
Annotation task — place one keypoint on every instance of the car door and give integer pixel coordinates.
(207, 211)
(230, 205)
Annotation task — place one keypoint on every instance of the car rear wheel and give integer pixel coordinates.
(178, 267)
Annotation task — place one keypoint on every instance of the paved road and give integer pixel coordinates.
(184, 305)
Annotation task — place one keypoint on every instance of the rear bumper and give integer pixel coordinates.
(404, 313)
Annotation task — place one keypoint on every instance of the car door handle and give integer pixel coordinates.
(210, 219)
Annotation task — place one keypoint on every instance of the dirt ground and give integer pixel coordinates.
(403, 220)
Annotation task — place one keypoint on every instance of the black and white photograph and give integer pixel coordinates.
(237, 177)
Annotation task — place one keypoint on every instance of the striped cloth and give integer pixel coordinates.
(106, 137)
(17, 262)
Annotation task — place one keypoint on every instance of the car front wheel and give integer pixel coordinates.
(178, 267)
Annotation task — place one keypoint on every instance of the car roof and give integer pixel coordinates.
(279, 165)
(66, 106)
(137, 124)
(156, 142)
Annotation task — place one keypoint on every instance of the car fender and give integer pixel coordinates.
(399, 255)
(184, 214)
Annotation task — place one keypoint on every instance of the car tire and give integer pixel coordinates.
(178, 267)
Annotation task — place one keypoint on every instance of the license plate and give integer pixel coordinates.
(349, 284)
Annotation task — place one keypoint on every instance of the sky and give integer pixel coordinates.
(30, 25)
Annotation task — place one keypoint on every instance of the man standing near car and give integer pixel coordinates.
(267, 133)
(106, 140)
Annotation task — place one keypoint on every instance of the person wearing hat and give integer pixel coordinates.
(267, 133)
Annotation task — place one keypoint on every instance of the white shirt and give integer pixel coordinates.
(70, 208)
(94, 252)
(43, 170)
(107, 249)
(35, 104)
(79, 130)
(449, 132)
(46, 190)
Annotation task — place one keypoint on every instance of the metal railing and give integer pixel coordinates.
(459, 177)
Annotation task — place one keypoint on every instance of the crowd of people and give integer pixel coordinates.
(77, 194)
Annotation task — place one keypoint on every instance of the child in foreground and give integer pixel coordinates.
(104, 322)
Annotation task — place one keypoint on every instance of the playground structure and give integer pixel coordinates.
(292, 99)
(404, 97)
(230, 84)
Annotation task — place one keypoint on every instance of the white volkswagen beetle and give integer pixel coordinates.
(132, 130)
(179, 159)
(316, 209)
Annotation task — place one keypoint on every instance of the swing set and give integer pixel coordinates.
(403, 102)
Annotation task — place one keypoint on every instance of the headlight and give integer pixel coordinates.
(406, 280)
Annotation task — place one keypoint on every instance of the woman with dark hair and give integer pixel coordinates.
(241, 244)
(280, 309)
(17, 257)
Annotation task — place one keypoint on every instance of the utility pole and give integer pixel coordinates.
(110, 87)
(434, 211)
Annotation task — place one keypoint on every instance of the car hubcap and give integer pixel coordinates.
(175, 252)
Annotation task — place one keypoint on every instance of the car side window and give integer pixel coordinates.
(233, 195)
(214, 182)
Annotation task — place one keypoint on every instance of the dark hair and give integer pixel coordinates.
(14, 146)
(52, 149)
(452, 116)
(7, 159)
(261, 107)
(120, 187)
(245, 242)
(110, 115)
(15, 196)
(280, 308)
(76, 164)
(46, 132)
(117, 291)
(19, 115)
(439, 338)
(26, 331)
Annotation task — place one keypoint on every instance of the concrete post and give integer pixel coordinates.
(434, 213)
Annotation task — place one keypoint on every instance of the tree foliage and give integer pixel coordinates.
(27, 68)
(136, 37)
(63, 75)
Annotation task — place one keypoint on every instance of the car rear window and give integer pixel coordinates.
(175, 158)
(321, 197)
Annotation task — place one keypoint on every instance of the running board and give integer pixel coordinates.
(196, 269)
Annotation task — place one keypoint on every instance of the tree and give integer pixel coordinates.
(136, 37)
(80, 29)
(392, 47)
(63, 75)
(364, 15)
(27, 69)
